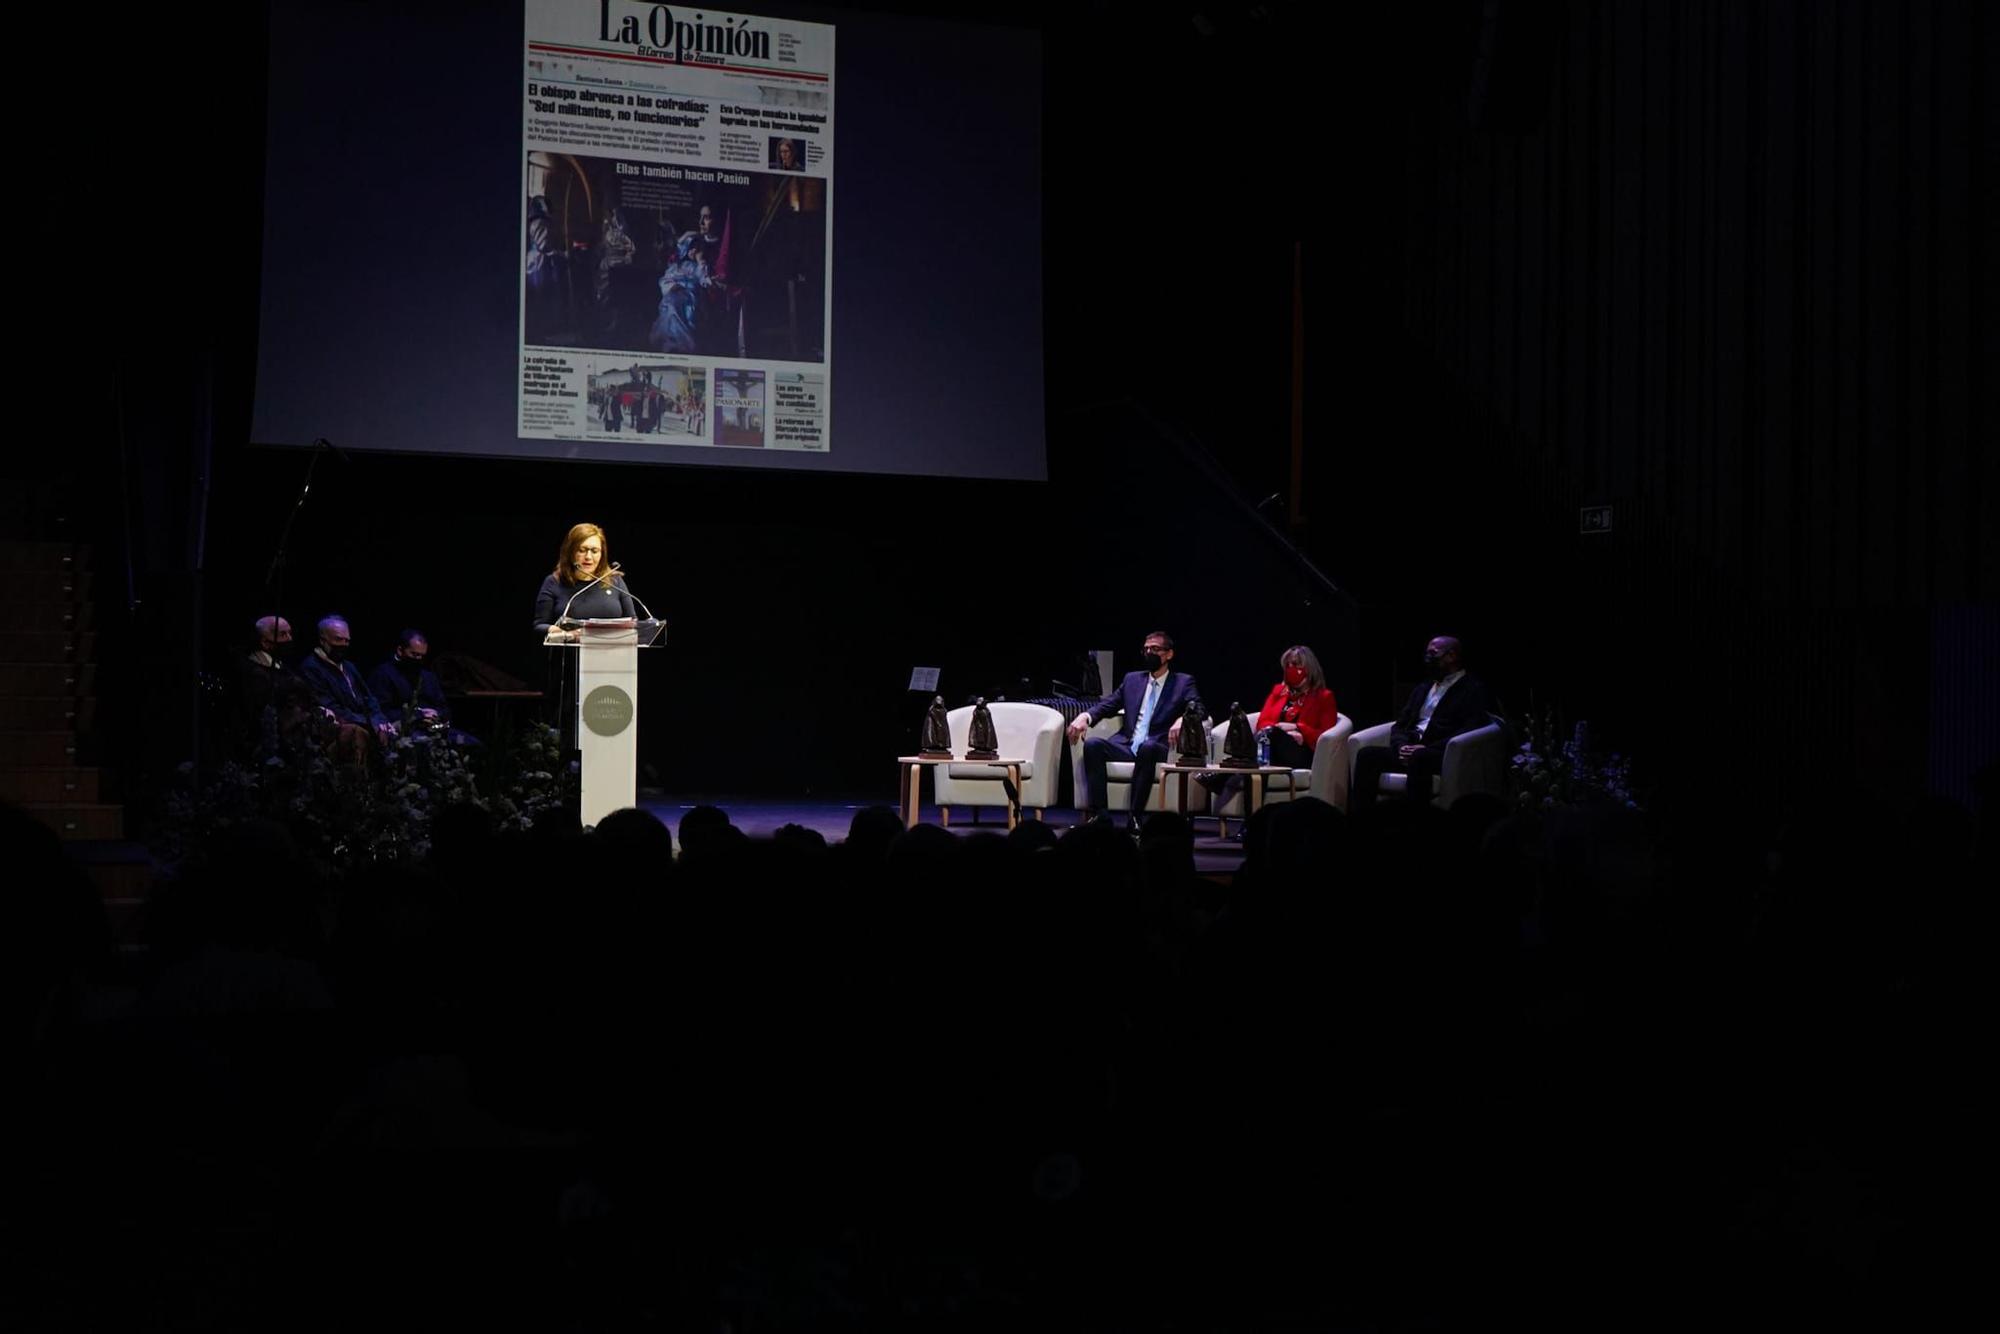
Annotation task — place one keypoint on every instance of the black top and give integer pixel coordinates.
(1462, 708)
(593, 603)
(253, 688)
(393, 689)
(340, 688)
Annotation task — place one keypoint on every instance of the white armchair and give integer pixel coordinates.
(1327, 779)
(1474, 761)
(1031, 733)
(1118, 775)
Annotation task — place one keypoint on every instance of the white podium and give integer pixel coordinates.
(607, 708)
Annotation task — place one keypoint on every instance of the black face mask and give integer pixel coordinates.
(1435, 666)
(1151, 662)
(335, 652)
(410, 667)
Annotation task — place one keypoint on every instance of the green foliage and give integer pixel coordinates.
(346, 815)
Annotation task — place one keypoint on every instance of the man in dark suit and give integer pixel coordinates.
(1453, 703)
(342, 694)
(1151, 702)
(254, 687)
(408, 690)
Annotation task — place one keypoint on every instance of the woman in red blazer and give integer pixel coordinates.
(1299, 708)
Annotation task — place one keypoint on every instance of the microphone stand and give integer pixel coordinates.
(566, 668)
(274, 575)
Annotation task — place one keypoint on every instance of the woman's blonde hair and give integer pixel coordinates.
(1304, 657)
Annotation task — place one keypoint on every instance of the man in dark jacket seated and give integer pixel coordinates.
(253, 684)
(408, 689)
(1453, 703)
(341, 692)
(1152, 702)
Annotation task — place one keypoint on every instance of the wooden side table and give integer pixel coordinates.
(1253, 801)
(912, 783)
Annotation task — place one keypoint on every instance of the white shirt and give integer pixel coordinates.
(1153, 685)
(1431, 700)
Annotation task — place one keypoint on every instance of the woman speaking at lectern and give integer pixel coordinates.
(583, 586)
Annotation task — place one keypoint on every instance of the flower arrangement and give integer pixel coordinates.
(347, 815)
(1547, 773)
(534, 783)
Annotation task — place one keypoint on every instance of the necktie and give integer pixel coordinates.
(1146, 712)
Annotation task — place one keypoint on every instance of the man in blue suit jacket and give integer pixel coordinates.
(1151, 701)
(342, 694)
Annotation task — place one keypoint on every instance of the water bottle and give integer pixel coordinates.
(1264, 749)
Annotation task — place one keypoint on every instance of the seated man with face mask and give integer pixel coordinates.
(1453, 703)
(407, 688)
(341, 693)
(254, 683)
(1151, 701)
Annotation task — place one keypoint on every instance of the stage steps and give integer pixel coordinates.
(27, 785)
(49, 706)
(48, 701)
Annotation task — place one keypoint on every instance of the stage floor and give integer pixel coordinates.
(760, 817)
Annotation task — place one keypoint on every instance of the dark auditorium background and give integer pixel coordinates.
(1727, 269)
(1352, 313)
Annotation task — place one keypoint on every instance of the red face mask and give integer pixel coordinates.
(1295, 676)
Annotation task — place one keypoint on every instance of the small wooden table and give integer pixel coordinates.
(912, 783)
(1253, 801)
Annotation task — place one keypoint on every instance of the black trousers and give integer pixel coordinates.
(1372, 763)
(1288, 751)
(1100, 751)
